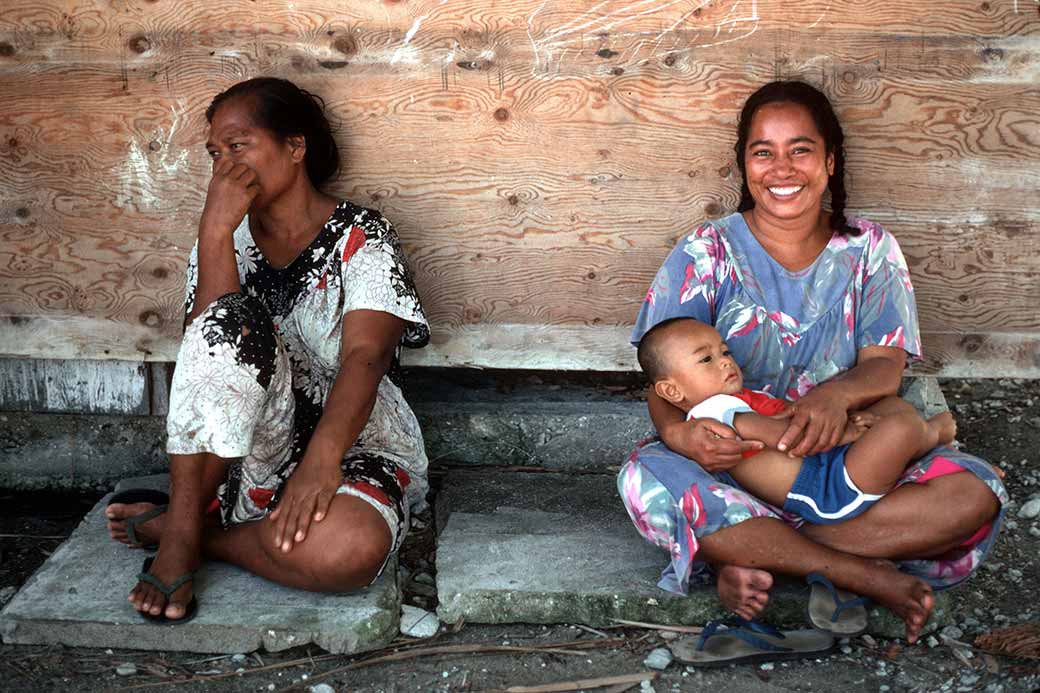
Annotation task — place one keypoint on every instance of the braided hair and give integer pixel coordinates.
(287, 110)
(826, 121)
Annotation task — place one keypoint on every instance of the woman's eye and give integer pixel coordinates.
(761, 153)
(706, 359)
(213, 154)
(235, 146)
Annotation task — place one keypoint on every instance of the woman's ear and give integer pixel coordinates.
(830, 163)
(298, 147)
(668, 390)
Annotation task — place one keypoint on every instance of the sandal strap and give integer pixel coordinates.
(166, 589)
(839, 604)
(744, 630)
(141, 518)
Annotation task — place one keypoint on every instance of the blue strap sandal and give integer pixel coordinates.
(737, 641)
(834, 610)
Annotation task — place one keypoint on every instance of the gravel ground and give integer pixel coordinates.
(998, 419)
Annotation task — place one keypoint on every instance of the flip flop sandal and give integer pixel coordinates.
(744, 642)
(161, 501)
(190, 609)
(834, 610)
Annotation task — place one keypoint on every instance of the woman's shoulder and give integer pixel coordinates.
(710, 237)
(371, 222)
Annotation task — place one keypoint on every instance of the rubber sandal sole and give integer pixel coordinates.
(725, 648)
(835, 611)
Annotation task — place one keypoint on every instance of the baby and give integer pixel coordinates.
(691, 367)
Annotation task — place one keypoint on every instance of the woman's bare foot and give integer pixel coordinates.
(170, 563)
(907, 597)
(148, 533)
(744, 591)
(944, 426)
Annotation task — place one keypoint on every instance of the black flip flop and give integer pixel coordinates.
(159, 499)
(744, 642)
(190, 609)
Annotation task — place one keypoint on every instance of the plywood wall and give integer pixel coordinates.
(539, 157)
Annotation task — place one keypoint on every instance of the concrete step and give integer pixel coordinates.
(559, 548)
(78, 598)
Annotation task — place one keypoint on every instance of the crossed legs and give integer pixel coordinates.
(344, 551)
(855, 554)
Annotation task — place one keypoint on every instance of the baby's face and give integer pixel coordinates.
(699, 363)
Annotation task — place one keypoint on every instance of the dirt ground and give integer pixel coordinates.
(999, 420)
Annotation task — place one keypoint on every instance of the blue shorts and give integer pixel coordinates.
(823, 493)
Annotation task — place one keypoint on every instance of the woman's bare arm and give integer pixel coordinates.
(713, 444)
(817, 420)
(370, 338)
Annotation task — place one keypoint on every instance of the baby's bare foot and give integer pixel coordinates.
(147, 533)
(944, 426)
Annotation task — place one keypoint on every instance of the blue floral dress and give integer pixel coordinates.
(789, 331)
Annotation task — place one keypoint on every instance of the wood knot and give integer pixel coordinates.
(345, 45)
(513, 200)
(606, 53)
(993, 55)
(502, 114)
(971, 343)
(22, 212)
(150, 318)
(6, 49)
(712, 209)
(140, 44)
(669, 60)
(590, 275)
(985, 7)
(154, 145)
(725, 172)
(160, 273)
(618, 71)
(13, 142)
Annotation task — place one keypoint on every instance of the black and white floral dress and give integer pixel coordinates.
(255, 368)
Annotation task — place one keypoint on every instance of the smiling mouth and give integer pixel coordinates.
(785, 191)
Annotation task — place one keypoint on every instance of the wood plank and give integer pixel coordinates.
(74, 387)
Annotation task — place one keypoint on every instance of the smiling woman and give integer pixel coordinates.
(284, 406)
(817, 308)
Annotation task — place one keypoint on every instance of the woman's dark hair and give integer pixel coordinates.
(283, 108)
(826, 121)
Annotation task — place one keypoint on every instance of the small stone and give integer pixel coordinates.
(321, 688)
(418, 623)
(646, 687)
(1030, 509)
(1011, 524)
(932, 642)
(768, 666)
(952, 633)
(270, 686)
(884, 688)
(423, 578)
(669, 635)
(870, 642)
(1034, 531)
(6, 594)
(126, 669)
(845, 649)
(658, 659)
(238, 658)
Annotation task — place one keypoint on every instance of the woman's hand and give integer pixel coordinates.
(232, 189)
(306, 498)
(817, 423)
(712, 444)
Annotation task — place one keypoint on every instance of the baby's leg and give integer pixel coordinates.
(768, 475)
(878, 458)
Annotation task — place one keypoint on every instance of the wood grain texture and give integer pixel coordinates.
(89, 387)
(539, 158)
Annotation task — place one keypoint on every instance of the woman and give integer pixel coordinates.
(816, 308)
(282, 406)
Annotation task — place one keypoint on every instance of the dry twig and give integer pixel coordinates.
(602, 682)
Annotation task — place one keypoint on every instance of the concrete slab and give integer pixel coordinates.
(559, 548)
(78, 598)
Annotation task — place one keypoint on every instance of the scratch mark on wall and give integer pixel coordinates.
(409, 35)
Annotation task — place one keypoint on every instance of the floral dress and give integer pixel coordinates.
(255, 368)
(788, 331)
